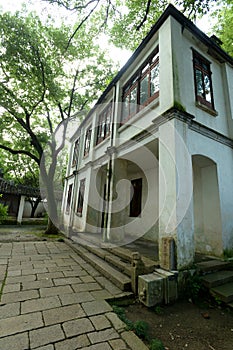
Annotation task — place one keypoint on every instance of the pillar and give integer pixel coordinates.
(20, 210)
(175, 196)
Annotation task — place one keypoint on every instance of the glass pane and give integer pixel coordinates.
(199, 84)
(133, 101)
(144, 90)
(125, 108)
(108, 124)
(154, 84)
(155, 57)
(207, 88)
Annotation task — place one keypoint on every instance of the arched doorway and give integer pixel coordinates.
(206, 206)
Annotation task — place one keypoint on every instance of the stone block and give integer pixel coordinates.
(100, 322)
(19, 296)
(45, 335)
(133, 341)
(75, 343)
(22, 323)
(96, 307)
(68, 299)
(62, 314)
(45, 292)
(102, 336)
(77, 327)
(15, 342)
(40, 304)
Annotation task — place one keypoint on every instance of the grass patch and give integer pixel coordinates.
(140, 328)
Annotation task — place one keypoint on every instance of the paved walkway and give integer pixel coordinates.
(53, 300)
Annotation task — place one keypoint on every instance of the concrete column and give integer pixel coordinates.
(175, 194)
(21, 208)
(117, 201)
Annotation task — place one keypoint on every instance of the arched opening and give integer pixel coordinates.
(206, 206)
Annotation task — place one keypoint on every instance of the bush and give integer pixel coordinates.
(3, 212)
(156, 344)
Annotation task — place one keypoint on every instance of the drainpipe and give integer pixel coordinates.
(110, 151)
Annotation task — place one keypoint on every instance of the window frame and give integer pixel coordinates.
(87, 141)
(68, 198)
(81, 194)
(104, 127)
(199, 63)
(76, 150)
(135, 82)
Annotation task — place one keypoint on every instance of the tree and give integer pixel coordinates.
(44, 79)
(127, 22)
(223, 28)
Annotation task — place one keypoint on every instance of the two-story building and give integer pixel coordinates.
(154, 157)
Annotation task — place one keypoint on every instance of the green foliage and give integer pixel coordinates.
(223, 27)
(139, 327)
(3, 212)
(228, 253)
(156, 344)
(158, 310)
(192, 286)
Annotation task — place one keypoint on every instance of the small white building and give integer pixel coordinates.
(154, 157)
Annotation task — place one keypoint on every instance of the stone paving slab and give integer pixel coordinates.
(53, 300)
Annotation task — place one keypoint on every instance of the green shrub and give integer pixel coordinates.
(3, 212)
(156, 344)
(141, 329)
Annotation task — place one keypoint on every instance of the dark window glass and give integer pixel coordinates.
(136, 195)
(104, 125)
(87, 141)
(75, 153)
(142, 88)
(81, 197)
(202, 79)
(68, 201)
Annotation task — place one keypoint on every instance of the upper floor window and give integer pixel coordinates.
(203, 81)
(87, 142)
(142, 88)
(76, 152)
(104, 124)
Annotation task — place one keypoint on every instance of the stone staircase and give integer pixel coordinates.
(119, 264)
(217, 276)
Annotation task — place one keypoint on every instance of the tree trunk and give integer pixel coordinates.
(34, 207)
(51, 228)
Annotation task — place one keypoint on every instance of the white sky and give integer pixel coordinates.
(39, 6)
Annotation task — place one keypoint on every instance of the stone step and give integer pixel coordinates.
(224, 292)
(116, 261)
(217, 278)
(212, 266)
(126, 255)
(119, 279)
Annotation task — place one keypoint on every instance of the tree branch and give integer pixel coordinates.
(27, 153)
(80, 25)
(145, 16)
